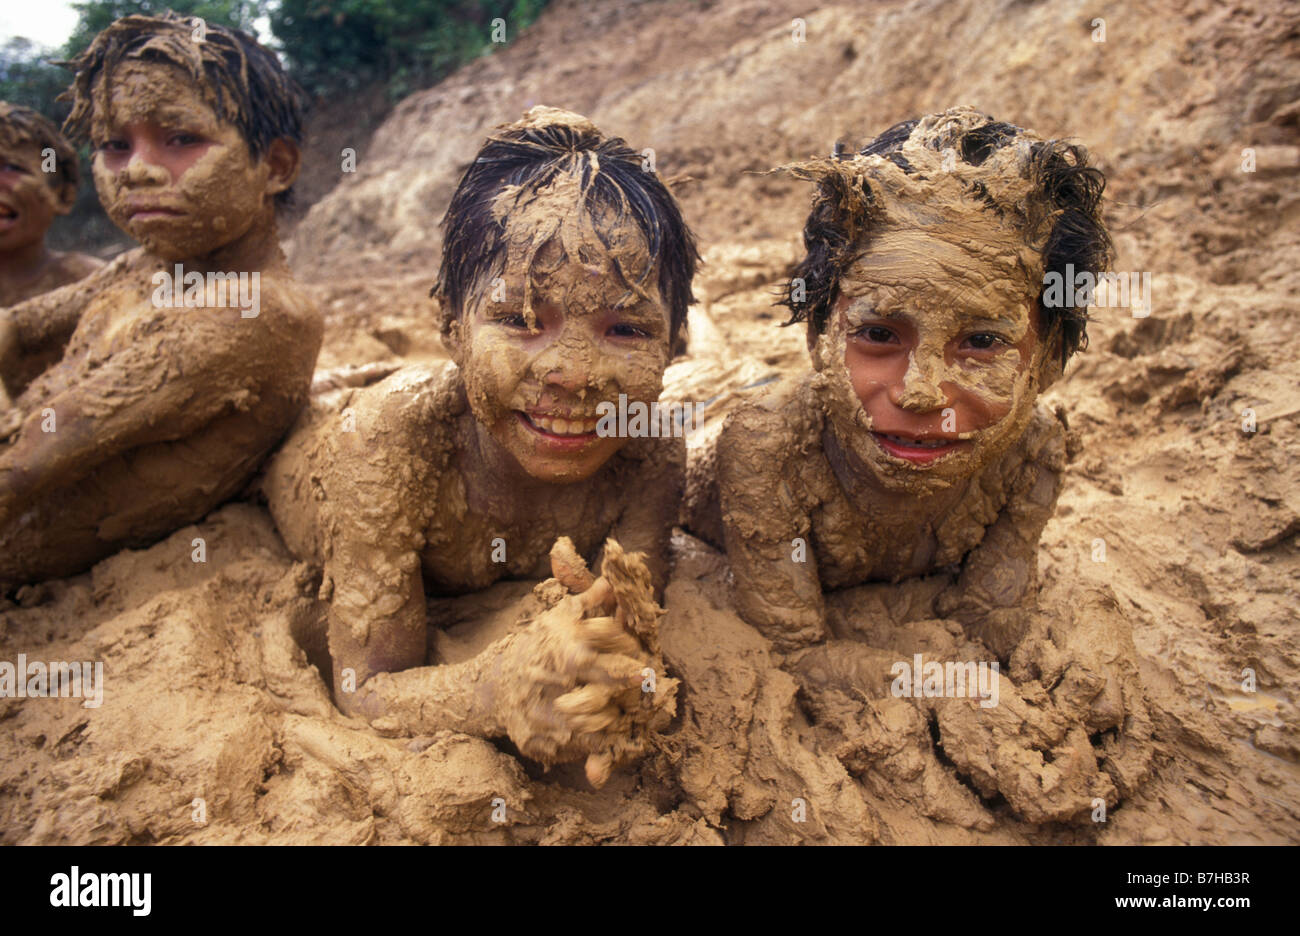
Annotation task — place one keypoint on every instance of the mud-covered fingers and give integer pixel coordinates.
(599, 597)
(616, 670)
(569, 567)
(607, 635)
(588, 709)
(643, 688)
(598, 768)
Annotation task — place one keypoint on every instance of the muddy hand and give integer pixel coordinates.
(1091, 666)
(1024, 748)
(567, 681)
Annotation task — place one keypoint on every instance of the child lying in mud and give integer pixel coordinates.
(39, 175)
(915, 447)
(566, 274)
(188, 358)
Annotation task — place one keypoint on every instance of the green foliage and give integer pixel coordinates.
(407, 44)
(27, 79)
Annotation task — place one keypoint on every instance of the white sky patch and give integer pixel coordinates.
(48, 23)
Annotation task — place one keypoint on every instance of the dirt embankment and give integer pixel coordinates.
(208, 697)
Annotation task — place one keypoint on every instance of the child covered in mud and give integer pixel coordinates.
(39, 175)
(566, 275)
(915, 447)
(188, 358)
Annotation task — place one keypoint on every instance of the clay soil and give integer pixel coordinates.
(209, 697)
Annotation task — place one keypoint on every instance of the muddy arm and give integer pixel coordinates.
(377, 631)
(377, 637)
(48, 320)
(654, 492)
(997, 589)
(777, 588)
(144, 393)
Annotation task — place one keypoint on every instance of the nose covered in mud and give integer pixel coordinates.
(538, 356)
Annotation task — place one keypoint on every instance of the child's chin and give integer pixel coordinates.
(561, 470)
(168, 249)
(918, 477)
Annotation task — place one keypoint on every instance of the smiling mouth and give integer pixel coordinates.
(558, 427)
(138, 214)
(916, 450)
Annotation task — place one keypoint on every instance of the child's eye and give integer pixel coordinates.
(511, 320)
(184, 139)
(623, 330)
(876, 334)
(982, 342)
(114, 146)
(13, 167)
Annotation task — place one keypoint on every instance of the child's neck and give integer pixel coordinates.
(864, 491)
(26, 262)
(497, 484)
(257, 249)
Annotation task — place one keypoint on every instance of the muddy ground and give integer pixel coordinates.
(208, 698)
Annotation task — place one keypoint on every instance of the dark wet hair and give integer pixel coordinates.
(24, 125)
(531, 156)
(1065, 186)
(241, 79)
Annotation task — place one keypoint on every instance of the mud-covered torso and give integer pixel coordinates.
(177, 406)
(267, 364)
(473, 540)
(877, 535)
(384, 470)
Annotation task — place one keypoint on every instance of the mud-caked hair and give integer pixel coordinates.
(614, 184)
(241, 80)
(1058, 209)
(19, 125)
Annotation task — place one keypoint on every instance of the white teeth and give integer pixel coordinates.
(564, 427)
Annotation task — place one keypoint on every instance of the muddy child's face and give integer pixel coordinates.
(942, 358)
(28, 203)
(169, 173)
(536, 389)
